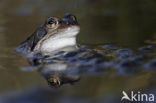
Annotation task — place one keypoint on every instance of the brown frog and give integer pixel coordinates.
(56, 34)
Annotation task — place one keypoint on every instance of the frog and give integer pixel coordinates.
(54, 35)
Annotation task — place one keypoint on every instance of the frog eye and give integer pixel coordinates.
(52, 22)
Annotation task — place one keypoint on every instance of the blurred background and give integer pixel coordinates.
(125, 23)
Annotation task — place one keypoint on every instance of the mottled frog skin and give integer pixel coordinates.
(55, 34)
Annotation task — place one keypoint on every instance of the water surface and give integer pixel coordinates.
(124, 24)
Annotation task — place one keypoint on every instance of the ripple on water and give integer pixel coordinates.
(85, 61)
(109, 47)
(127, 66)
(148, 48)
(151, 64)
(125, 51)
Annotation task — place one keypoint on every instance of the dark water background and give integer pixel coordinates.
(123, 23)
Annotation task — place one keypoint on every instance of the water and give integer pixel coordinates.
(115, 29)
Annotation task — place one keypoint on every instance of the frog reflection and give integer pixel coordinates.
(58, 79)
(68, 67)
(57, 73)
